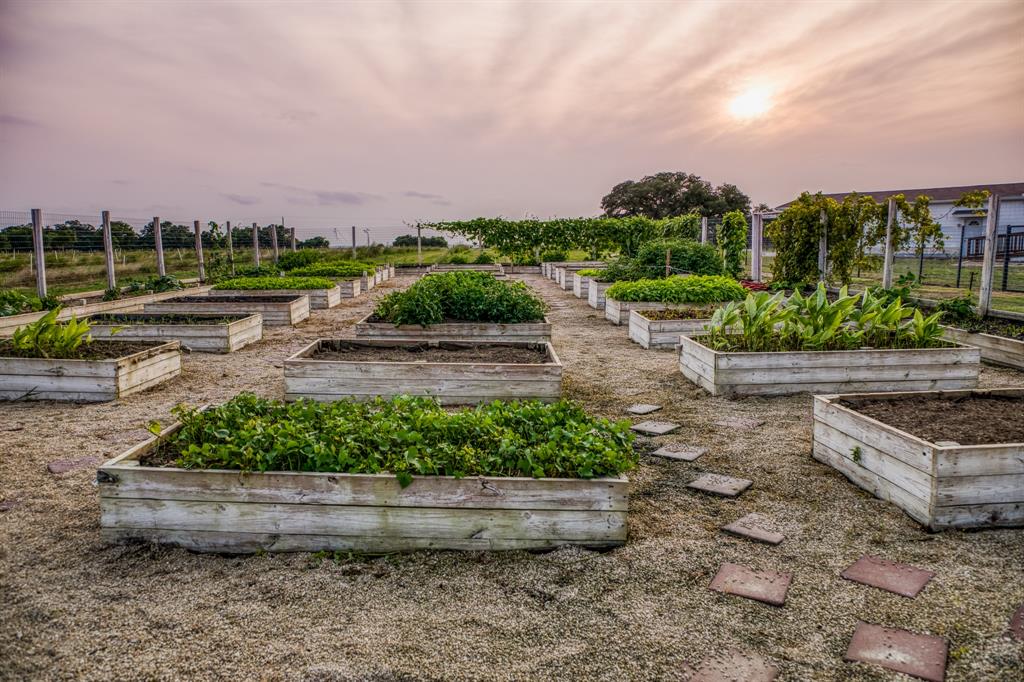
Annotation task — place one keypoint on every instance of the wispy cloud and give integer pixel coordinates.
(12, 120)
(241, 199)
(435, 199)
(324, 197)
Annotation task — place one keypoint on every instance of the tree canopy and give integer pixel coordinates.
(669, 194)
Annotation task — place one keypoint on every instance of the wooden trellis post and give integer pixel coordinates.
(38, 256)
(108, 250)
(823, 247)
(704, 230)
(231, 248)
(890, 252)
(199, 250)
(273, 243)
(256, 244)
(988, 259)
(158, 244)
(756, 245)
(419, 245)
(291, 232)
(353, 241)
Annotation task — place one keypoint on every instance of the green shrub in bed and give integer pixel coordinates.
(291, 260)
(334, 269)
(405, 436)
(463, 296)
(258, 283)
(679, 289)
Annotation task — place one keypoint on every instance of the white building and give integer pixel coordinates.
(964, 228)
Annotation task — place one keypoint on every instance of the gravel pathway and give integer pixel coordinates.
(75, 608)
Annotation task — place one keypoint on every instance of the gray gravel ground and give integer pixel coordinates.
(72, 607)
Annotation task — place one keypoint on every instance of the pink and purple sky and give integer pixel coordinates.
(375, 113)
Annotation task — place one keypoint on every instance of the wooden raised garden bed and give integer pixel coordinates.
(529, 332)
(453, 373)
(319, 299)
(142, 366)
(938, 482)
(580, 285)
(664, 334)
(276, 310)
(595, 294)
(617, 312)
(998, 350)
(237, 512)
(740, 374)
(202, 333)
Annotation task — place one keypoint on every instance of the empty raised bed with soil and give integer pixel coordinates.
(453, 373)
(617, 312)
(108, 370)
(371, 327)
(662, 329)
(240, 512)
(319, 299)
(950, 459)
(276, 311)
(784, 373)
(202, 333)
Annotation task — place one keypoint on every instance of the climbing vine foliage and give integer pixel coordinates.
(734, 242)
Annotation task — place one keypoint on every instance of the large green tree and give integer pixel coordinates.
(669, 194)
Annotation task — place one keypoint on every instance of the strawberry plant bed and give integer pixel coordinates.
(661, 329)
(950, 459)
(461, 487)
(453, 373)
(202, 333)
(286, 309)
(101, 371)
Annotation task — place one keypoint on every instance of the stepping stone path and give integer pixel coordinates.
(901, 579)
(764, 586)
(907, 652)
(655, 428)
(739, 423)
(685, 453)
(1017, 624)
(717, 484)
(642, 408)
(735, 665)
(754, 527)
(63, 466)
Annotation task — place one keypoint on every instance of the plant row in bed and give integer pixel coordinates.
(405, 436)
(463, 296)
(678, 289)
(333, 270)
(273, 283)
(684, 256)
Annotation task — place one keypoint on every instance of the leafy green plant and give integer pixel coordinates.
(292, 260)
(261, 270)
(334, 269)
(733, 240)
(258, 283)
(48, 338)
(14, 303)
(405, 436)
(457, 259)
(685, 256)
(111, 294)
(678, 289)
(465, 296)
(589, 272)
(154, 284)
(554, 256)
(959, 310)
(484, 258)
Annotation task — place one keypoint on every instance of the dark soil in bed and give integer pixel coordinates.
(517, 354)
(989, 325)
(971, 420)
(97, 350)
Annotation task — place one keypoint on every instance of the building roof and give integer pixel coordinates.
(936, 193)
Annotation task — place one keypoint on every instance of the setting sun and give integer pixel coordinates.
(752, 103)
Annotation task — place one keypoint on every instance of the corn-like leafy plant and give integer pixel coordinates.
(48, 338)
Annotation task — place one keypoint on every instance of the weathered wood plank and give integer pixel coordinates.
(978, 515)
(533, 332)
(203, 338)
(913, 480)
(997, 350)
(595, 294)
(971, 490)
(288, 311)
(319, 299)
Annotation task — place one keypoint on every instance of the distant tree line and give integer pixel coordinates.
(410, 240)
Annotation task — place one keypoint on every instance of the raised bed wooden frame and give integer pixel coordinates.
(451, 383)
(951, 486)
(997, 350)
(319, 299)
(741, 374)
(89, 380)
(595, 294)
(213, 337)
(238, 512)
(617, 312)
(285, 310)
(529, 332)
(662, 334)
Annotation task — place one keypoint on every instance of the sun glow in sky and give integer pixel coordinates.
(753, 102)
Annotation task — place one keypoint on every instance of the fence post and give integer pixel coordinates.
(256, 244)
(231, 248)
(668, 262)
(1006, 256)
(704, 230)
(38, 255)
(823, 247)
(108, 250)
(273, 243)
(199, 250)
(419, 245)
(960, 256)
(291, 232)
(889, 255)
(988, 260)
(158, 243)
(353, 241)
(756, 245)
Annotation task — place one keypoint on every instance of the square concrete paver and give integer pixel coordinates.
(734, 665)
(655, 428)
(754, 527)
(907, 652)
(888, 575)
(717, 484)
(764, 586)
(739, 423)
(642, 408)
(686, 453)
